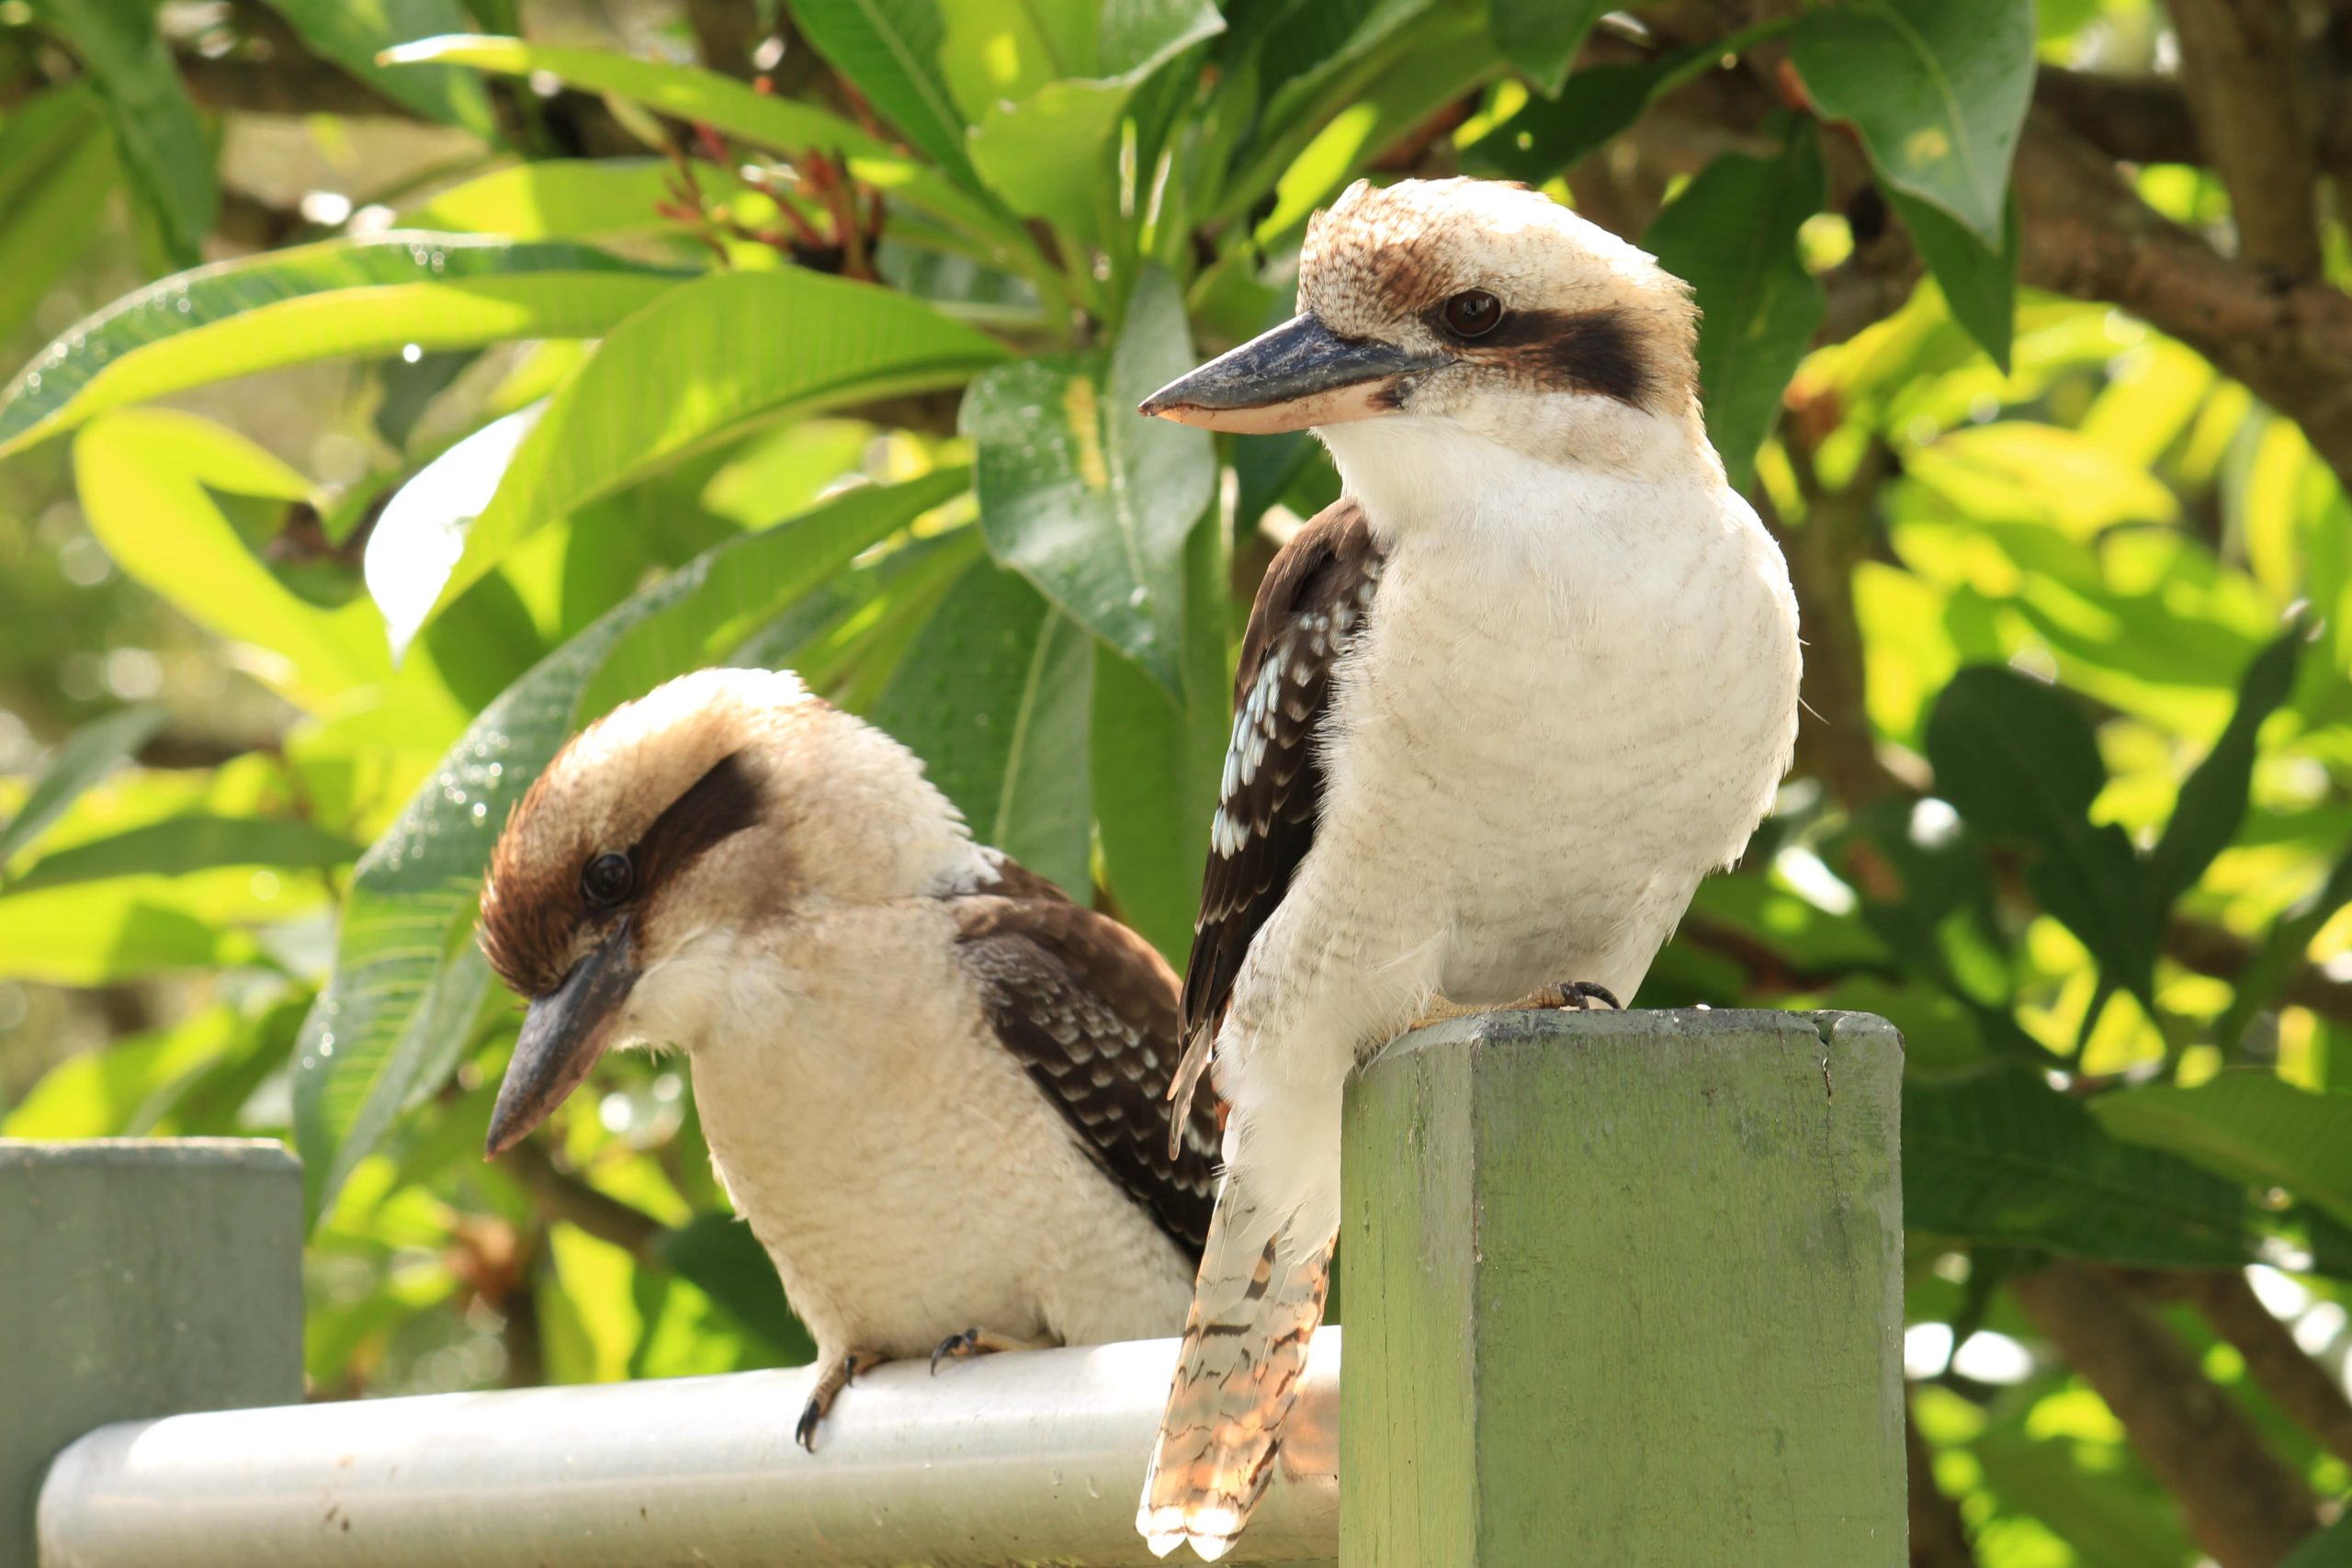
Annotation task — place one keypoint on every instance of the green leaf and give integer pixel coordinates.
(718, 1253)
(61, 168)
(120, 1089)
(888, 49)
(794, 559)
(182, 845)
(162, 145)
(406, 971)
(703, 364)
(786, 125)
(1157, 761)
(2021, 762)
(2109, 1511)
(41, 128)
(559, 198)
(1315, 61)
(994, 696)
(2001, 1156)
(2281, 951)
(1541, 37)
(344, 298)
(2249, 1126)
(102, 932)
(1447, 59)
(2328, 1548)
(80, 759)
(1547, 136)
(1732, 235)
(1938, 92)
(150, 481)
(351, 33)
(1086, 498)
(2213, 800)
(1052, 153)
(1980, 285)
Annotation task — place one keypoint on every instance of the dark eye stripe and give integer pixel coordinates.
(1596, 352)
(715, 807)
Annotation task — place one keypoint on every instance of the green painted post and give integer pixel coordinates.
(1624, 1290)
(139, 1278)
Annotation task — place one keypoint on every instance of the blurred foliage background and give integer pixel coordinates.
(384, 415)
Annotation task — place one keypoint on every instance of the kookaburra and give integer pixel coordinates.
(1499, 709)
(934, 1085)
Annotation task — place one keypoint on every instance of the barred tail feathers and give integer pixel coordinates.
(1255, 1308)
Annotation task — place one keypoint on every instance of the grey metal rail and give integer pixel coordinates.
(1028, 1458)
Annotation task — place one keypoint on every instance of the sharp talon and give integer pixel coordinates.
(805, 1434)
(957, 1344)
(1577, 993)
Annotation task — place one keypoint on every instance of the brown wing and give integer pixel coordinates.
(1311, 604)
(1090, 1009)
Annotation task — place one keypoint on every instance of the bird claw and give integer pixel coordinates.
(804, 1433)
(962, 1347)
(820, 1399)
(1576, 995)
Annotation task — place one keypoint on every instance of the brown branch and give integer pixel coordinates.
(1835, 741)
(2238, 69)
(2299, 1385)
(2141, 119)
(2209, 949)
(1938, 1535)
(561, 1195)
(2242, 1505)
(2087, 235)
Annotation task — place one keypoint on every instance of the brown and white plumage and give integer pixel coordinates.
(1502, 707)
(934, 1086)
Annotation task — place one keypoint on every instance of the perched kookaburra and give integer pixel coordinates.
(1499, 709)
(934, 1085)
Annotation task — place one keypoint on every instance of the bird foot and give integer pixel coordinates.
(1574, 996)
(838, 1376)
(981, 1342)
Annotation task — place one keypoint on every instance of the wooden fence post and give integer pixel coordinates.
(139, 1278)
(1624, 1290)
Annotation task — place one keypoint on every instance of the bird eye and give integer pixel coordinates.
(607, 879)
(1474, 313)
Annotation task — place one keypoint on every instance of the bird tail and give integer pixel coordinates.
(1255, 1308)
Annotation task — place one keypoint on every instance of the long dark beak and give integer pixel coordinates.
(563, 1034)
(1299, 374)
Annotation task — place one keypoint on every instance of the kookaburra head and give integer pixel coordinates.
(668, 832)
(1436, 308)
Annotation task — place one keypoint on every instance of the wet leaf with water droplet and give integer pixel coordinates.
(344, 298)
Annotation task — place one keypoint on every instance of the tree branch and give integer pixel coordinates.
(561, 1195)
(2300, 1386)
(1836, 746)
(2209, 949)
(2243, 1504)
(2087, 235)
(2141, 119)
(2238, 68)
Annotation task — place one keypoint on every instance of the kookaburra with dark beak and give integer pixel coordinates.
(934, 1085)
(1499, 709)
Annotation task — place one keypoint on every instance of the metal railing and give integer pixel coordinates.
(1620, 1289)
(1008, 1459)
